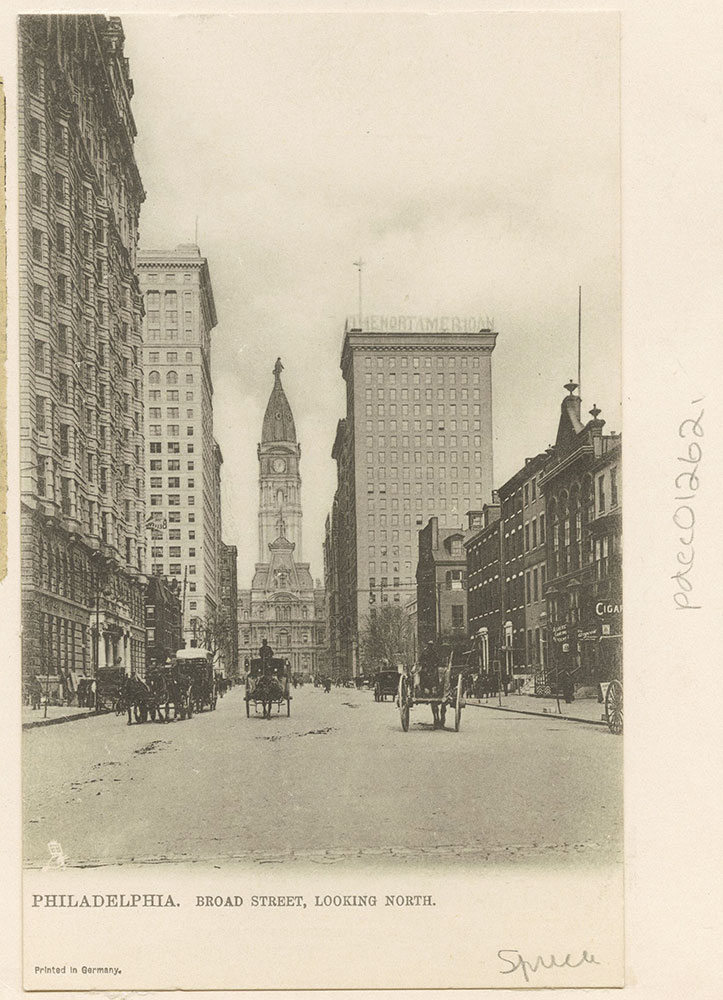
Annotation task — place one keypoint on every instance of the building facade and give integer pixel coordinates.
(228, 605)
(483, 549)
(283, 604)
(524, 568)
(163, 620)
(182, 458)
(580, 484)
(441, 586)
(416, 443)
(81, 405)
(340, 554)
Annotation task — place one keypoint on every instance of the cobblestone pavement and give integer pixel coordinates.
(339, 780)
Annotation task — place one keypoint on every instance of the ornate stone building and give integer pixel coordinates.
(81, 413)
(581, 488)
(284, 605)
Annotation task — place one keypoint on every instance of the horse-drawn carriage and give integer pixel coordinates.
(267, 684)
(612, 696)
(386, 684)
(171, 691)
(108, 688)
(195, 667)
(162, 695)
(439, 685)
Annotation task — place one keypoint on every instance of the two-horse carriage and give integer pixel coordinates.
(268, 682)
(172, 691)
(162, 695)
(441, 688)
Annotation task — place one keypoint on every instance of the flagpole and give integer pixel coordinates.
(358, 264)
(579, 339)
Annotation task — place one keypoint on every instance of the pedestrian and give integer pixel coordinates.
(568, 686)
(36, 692)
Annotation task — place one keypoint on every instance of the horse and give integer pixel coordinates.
(137, 696)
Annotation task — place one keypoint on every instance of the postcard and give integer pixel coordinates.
(319, 522)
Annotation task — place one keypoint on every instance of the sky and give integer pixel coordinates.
(472, 161)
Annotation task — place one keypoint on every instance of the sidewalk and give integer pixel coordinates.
(586, 710)
(33, 717)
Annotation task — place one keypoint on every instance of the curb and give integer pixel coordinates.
(540, 715)
(62, 718)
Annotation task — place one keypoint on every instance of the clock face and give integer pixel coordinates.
(278, 465)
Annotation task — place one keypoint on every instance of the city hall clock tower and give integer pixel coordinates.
(279, 479)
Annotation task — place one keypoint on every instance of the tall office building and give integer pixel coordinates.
(416, 443)
(81, 413)
(183, 461)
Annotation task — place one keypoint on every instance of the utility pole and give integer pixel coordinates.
(183, 609)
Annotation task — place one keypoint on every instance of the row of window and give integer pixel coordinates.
(174, 483)
(535, 583)
(173, 465)
(172, 500)
(172, 413)
(172, 430)
(393, 361)
(443, 395)
(381, 411)
(173, 447)
(174, 552)
(449, 378)
(154, 377)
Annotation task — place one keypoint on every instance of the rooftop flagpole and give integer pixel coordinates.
(579, 338)
(359, 264)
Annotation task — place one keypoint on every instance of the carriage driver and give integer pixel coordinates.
(429, 663)
(265, 655)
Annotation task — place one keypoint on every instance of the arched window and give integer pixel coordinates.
(172, 377)
(154, 377)
(576, 528)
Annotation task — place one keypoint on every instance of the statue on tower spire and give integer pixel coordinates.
(278, 368)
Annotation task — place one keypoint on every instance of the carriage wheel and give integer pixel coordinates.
(137, 712)
(458, 705)
(614, 707)
(442, 714)
(404, 702)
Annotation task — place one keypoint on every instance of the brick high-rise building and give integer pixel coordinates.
(416, 443)
(183, 461)
(81, 412)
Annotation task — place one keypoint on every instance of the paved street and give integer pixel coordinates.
(339, 779)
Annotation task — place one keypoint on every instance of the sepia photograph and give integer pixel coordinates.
(321, 482)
